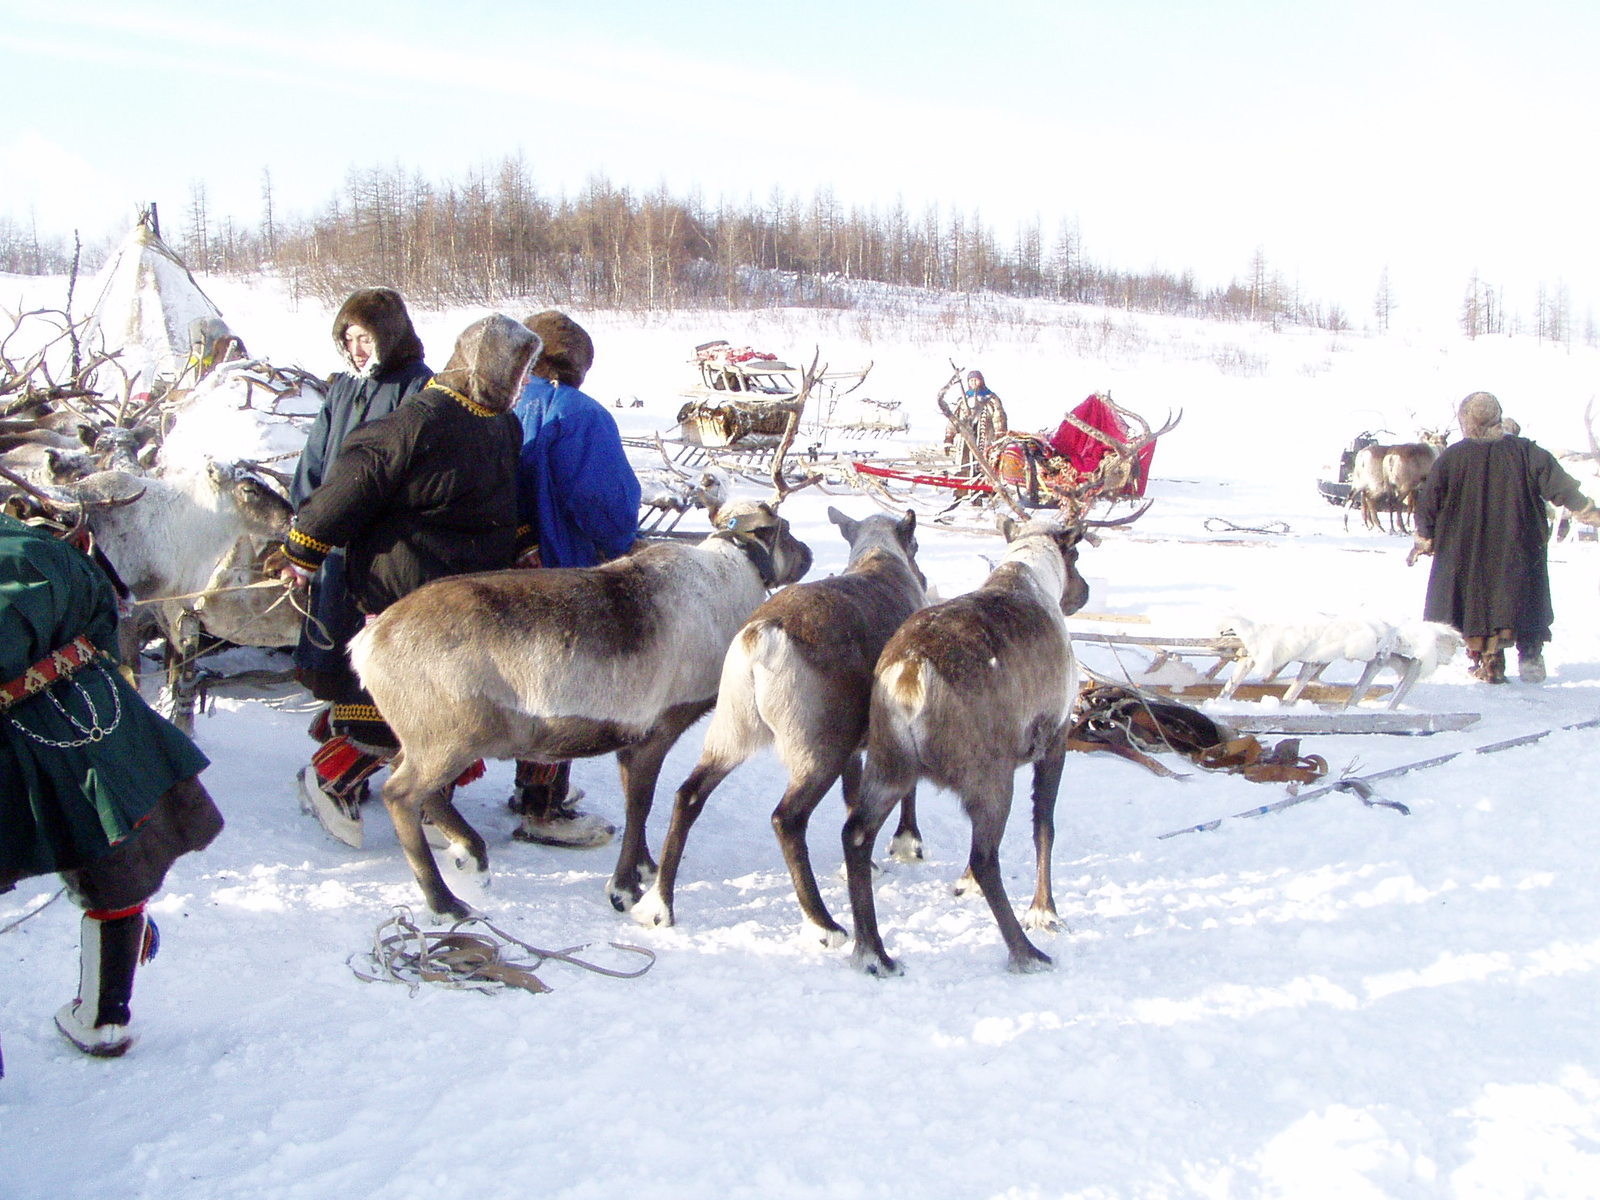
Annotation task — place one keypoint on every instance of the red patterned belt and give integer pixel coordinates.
(58, 664)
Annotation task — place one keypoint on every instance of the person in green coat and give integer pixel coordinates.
(94, 784)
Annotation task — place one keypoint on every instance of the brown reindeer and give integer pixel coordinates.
(799, 676)
(964, 693)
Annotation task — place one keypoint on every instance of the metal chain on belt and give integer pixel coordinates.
(95, 731)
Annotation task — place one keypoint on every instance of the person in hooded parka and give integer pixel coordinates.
(1481, 515)
(428, 491)
(373, 334)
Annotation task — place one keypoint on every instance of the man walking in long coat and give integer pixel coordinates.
(1482, 517)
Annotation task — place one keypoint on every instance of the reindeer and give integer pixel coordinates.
(963, 694)
(1394, 474)
(551, 665)
(172, 539)
(799, 675)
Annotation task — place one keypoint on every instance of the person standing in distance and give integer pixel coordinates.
(1481, 516)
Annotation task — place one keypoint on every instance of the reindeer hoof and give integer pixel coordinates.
(828, 937)
(652, 910)
(882, 968)
(1028, 963)
(967, 885)
(623, 898)
(449, 909)
(463, 859)
(1043, 919)
(906, 848)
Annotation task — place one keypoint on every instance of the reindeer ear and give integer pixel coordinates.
(907, 526)
(839, 519)
(1008, 528)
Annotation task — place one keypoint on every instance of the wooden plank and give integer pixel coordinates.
(1351, 722)
(1218, 645)
(1126, 618)
(1206, 689)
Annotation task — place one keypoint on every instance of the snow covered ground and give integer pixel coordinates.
(1333, 1001)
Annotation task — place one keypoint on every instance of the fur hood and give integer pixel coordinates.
(1479, 415)
(491, 361)
(382, 312)
(568, 349)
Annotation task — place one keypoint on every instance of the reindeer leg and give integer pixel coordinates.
(466, 843)
(988, 810)
(790, 821)
(640, 767)
(1041, 913)
(404, 795)
(655, 908)
(906, 844)
(877, 797)
(183, 648)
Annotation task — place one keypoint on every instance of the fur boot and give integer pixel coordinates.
(111, 948)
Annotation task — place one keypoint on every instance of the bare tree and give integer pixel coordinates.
(197, 238)
(269, 231)
(1383, 304)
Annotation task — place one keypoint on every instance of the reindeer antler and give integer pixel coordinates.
(1129, 519)
(780, 488)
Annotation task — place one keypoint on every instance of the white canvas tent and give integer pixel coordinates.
(143, 301)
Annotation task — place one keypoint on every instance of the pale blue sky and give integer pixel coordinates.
(1433, 138)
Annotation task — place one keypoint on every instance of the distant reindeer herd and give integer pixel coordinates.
(1389, 478)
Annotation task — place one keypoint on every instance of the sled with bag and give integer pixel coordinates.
(1100, 453)
(743, 397)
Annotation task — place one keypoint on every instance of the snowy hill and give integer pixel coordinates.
(1334, 1001)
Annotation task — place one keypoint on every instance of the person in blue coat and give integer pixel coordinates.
(577, 490)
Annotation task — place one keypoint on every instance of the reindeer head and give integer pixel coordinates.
(881, 532)
(1027, 539)
(755, 527)
(261, 507)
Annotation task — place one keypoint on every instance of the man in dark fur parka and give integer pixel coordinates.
(425, 492)
(374, 335)
(1482, 517)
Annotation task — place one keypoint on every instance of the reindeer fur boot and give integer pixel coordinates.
(111, 948)
(1530, 662)
(1488, 665)
(548, 804)
(334, 785)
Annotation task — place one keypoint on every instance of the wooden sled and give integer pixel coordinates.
(1218, 653)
